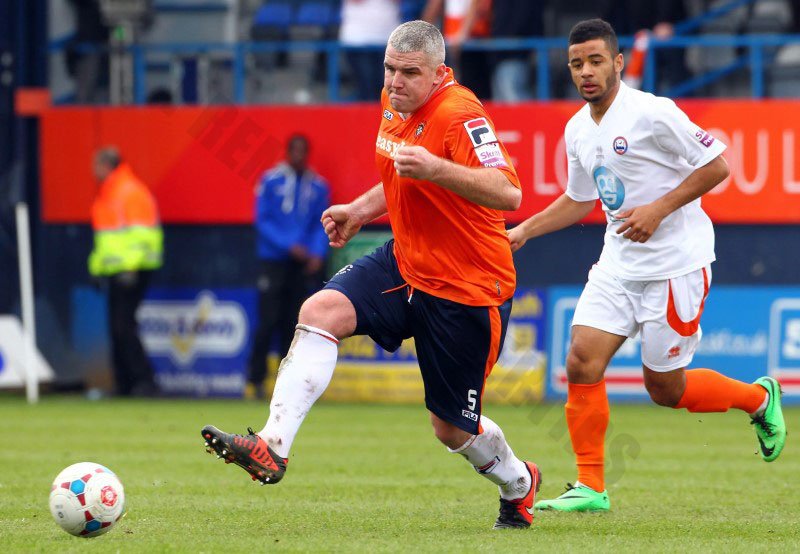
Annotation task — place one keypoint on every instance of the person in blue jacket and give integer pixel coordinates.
(292, 247)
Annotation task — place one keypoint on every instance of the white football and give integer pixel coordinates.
(87, 499)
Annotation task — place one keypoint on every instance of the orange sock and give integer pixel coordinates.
(709, 391)
(587, 419)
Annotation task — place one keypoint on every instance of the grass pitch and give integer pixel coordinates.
(372, 478)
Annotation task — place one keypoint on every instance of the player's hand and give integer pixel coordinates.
(517, 238)
(640, 223)
(340, 223)
(416, 162)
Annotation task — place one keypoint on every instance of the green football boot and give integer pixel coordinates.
(578, 498)
(770, 427)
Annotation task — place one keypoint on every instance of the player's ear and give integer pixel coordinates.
(440, 72)
(619, 63)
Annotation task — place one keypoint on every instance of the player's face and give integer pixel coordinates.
(409, 79)
(595, 70)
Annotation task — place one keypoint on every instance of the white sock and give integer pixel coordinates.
(303, 376)
(491, 456)
(761, 409)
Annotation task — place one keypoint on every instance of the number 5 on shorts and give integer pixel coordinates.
(471, 399)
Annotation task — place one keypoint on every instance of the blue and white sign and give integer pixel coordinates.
(198, 340)
(784, 343)
(747, 332)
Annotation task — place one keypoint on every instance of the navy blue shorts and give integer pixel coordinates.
(457, 345)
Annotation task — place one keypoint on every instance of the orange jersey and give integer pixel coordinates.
(445, 244)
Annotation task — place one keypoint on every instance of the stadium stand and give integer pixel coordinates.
(284, 51)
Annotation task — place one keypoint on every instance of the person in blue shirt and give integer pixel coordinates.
(291, 246)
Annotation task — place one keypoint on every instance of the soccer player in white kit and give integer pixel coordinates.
(649, 165)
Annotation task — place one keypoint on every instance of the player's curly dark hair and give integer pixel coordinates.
(591, 29)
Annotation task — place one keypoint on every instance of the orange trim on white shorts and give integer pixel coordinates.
(685, 328)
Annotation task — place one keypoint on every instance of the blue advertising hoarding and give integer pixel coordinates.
(747, 332)
(198, 340)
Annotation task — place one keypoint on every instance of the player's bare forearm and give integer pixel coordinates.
(698, 183)
(484, 186)
(562, 212)
(641, 222)
(370, 205)
(343, 221)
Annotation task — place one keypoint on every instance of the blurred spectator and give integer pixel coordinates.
(629, 16)
(292, 246)
(367, 23)
(89, 69)
(411, 9)
(463, 20)
(657, 17)
(514, 19)
(127, 248)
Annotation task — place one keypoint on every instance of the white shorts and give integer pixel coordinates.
(666, 313)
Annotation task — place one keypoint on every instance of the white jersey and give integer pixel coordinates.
(643, 148)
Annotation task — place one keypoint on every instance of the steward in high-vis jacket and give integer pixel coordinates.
(128, 246)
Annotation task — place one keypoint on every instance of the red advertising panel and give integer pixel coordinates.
(202, 163)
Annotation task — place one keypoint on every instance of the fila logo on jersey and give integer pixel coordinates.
(704, 138)
(387, 115)
(469, 415)
(479, 132)
(620, 145)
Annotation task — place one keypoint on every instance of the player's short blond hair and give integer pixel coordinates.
(419, 36)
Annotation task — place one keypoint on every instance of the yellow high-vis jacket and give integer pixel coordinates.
(127, 230)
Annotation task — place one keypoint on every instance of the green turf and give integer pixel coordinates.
(372, 478)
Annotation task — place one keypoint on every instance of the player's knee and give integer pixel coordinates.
(330, 311)
(663, 394)
(583, 368)
(448, 434)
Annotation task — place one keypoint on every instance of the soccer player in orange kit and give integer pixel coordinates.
(446, 279)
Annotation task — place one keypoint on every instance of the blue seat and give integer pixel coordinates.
(316, 14)
(273, 14)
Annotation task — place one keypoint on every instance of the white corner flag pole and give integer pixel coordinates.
(26, 291)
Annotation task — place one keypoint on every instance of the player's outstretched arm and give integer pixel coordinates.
(642, 222)
(563, 212)
(342, 221)
(484, 186)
